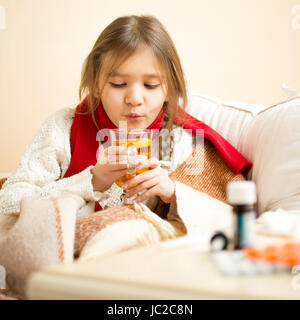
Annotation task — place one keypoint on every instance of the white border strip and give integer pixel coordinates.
(2, 18)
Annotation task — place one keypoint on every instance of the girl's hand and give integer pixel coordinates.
(111, 165)
(155, 181)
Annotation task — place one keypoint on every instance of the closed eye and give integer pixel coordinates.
(151, 86)
(121, 85)
(117, 85)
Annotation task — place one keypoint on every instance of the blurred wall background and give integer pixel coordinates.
(241, 50)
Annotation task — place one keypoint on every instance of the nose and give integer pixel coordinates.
(134, 97)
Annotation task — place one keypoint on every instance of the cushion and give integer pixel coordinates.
(228, 118)
(272, 143)
(268, 136)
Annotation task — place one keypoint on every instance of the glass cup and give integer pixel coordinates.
(137, 142)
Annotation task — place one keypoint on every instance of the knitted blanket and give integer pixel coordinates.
(50, 231)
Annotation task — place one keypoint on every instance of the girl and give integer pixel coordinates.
(133, 74)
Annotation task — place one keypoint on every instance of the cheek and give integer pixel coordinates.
(110, 96)
(111, 102)
(154, 111)
(157, 101)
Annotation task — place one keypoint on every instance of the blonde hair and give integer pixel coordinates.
(120, 39)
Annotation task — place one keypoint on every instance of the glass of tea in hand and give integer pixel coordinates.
(138, 145)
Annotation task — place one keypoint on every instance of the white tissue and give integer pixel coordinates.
(280, 223)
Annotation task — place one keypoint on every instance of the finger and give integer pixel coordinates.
(114, 154)
(135, 161)
(141, 187)
(140, 178)
(148, 194)
(122, 159)
(138, 159)
(150, 163)
(114, 176)
(118, 174)
(112, 167)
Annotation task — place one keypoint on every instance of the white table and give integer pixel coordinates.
(156, 273)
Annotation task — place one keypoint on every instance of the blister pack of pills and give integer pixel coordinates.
(251, 260)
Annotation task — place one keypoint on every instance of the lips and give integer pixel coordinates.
(134, 115)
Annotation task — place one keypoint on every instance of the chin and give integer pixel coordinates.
(136, 124)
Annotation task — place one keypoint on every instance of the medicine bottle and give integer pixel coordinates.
(242, 196)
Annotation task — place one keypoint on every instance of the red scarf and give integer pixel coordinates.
(84, 144)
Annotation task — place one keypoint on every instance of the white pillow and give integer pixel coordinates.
(227, 118)
(268, 136)
(272, 143)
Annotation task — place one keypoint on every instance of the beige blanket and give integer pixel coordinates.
(49, 231)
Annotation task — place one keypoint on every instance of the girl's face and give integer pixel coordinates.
(136, 91)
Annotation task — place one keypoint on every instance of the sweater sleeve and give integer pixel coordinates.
(43, 164)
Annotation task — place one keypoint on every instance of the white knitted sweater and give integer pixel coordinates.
(47, 157)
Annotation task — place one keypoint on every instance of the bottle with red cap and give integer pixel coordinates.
(242, 196)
